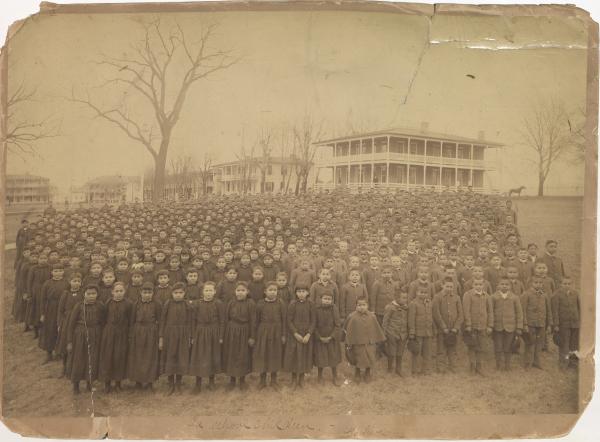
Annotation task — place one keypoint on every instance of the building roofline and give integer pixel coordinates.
(273, 160)
(413, 133)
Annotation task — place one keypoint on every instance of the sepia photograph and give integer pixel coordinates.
(262, 220)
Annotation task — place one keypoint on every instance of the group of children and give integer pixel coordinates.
(237, 285)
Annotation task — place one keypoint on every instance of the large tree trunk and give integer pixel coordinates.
(160, 163)
(541, 181)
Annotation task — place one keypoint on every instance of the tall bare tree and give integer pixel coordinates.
(246, 163)
(151, 72)
(23, 132)
(265, 160)
(182, 175)
(546, 132)
(205, 172)
(306, 132)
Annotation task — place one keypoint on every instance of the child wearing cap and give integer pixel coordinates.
(143, 353)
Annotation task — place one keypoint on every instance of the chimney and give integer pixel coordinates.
(481, 135)
(424, 126)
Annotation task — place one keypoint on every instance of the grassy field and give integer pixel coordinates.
(32, 389)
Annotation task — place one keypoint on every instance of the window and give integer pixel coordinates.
(434, 148)
(381, 145)
(342, 149)
(367, 147)
(464, 151)
(269, 186)
(355, 147)
(283, 170)
(478, 152)
(398, 145)
(449, 150)
(417, 147)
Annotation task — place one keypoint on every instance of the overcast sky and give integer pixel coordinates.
(366, 70)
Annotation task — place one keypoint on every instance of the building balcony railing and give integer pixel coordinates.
(413, 159)
(354, 187)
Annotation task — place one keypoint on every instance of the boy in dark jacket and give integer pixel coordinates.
(395, 327)
(565, 319)
(420, 329)
(448, 316)
(537, 316)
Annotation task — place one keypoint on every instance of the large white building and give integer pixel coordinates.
(247, 176)
(406, 159)
(27, 189)
(114, 189)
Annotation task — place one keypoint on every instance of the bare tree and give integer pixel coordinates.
(264, 161)
(22, 133)
(546, 132)
(182, 175)
(577, 128)
(305, 134)
(286, 170)
(204, 173)
(246, 165)
(152, 72)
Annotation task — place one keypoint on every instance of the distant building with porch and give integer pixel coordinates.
(190, 185)
(27, 189)
(246, 176)
(113, 189)
(405, 159)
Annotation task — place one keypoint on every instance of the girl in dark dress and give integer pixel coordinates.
(115, 336)
(207, 336)
(328, 352)
(52, 290)
(38, 275)
(85, 334)
(105, 287)
(69, 299)
(298, 357)
(175, 337)
(270, 336)
(143, 355)
(256, 287)
(240, 316)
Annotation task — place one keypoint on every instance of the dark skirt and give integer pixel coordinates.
(327, 355)
(175, 355)
(236, 352)
(143, 354)
(205, 358)
(49, 332)
(113, 353)
(78, 365)
(268, 350)
(298, 358)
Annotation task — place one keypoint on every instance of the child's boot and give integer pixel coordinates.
(198, 386)
(367, 375)
(399, 366)
(118, 386)
(211, 383)
(243, 385)
(178, 383)
(107, 387)
(171, 389)
(88, 386)
(334, 377)
(138, 386)
(231, 385)
(274, 383)
(479, 369)
(320, 375)
(357, 376)
(76, 387)
(507, 357)
(48, 358)
(263, 381)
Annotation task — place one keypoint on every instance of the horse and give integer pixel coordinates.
(516, 191)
